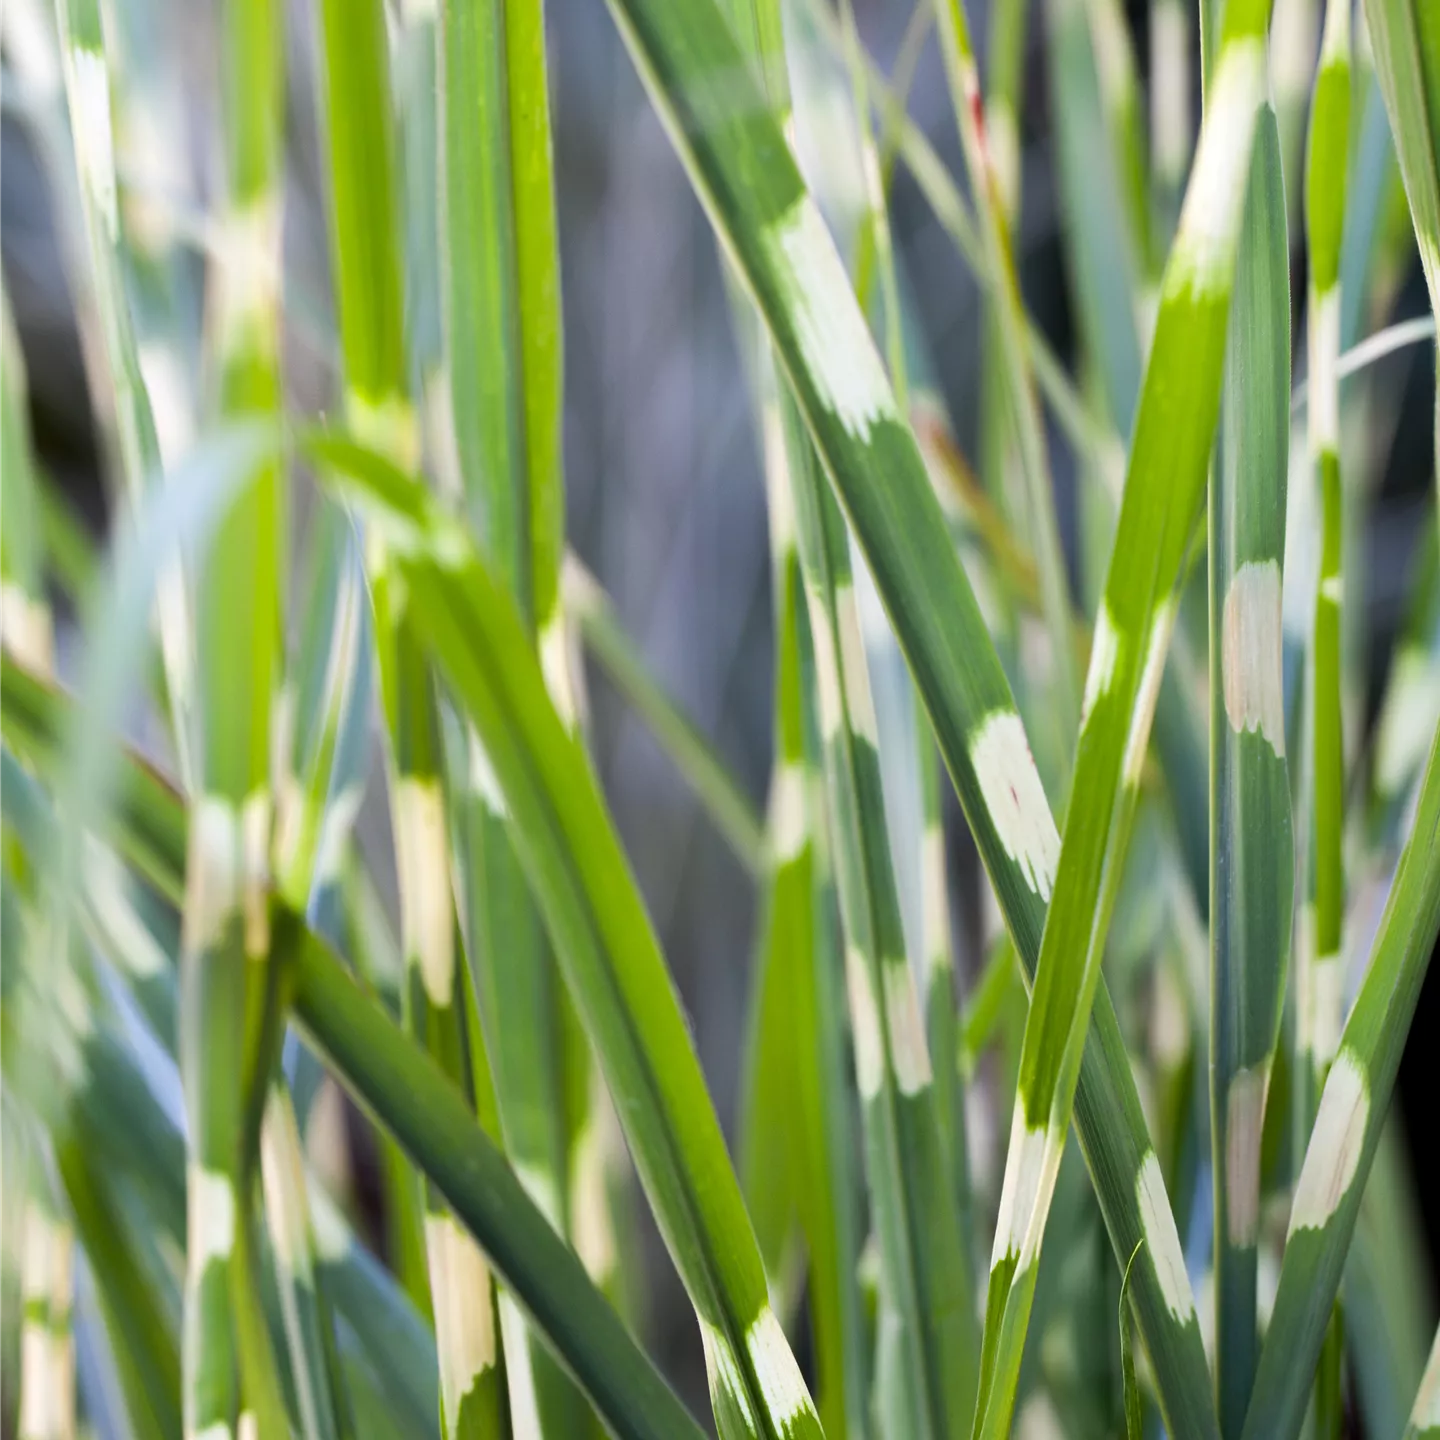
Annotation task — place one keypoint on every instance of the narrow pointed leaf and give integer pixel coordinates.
(1251, 856)
(1348, 1125)
(742, 170)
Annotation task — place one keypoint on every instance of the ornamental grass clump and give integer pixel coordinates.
(1152, 733)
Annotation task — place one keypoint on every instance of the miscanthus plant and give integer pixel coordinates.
(1211, 898)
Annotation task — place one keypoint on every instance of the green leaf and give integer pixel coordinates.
(602, 937)
(408, 1094)
(1348, 1125)
(741, 167)
(402, 1086)
(1251, 856)
(1165, 485)
(924, 1273)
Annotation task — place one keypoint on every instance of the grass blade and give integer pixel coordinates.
(392, 1077)
(909, 770)
(923, 1272)
(802, 897)
(1164, 489)
(229, 1027)
(1319, 1001)
(305, 1313)
(1114, 293)
(501, 324)
(1347, 1128)
(604, 941)
(929, 1390)
(413, 1099)
(815, 1013)
(369, 277)
(743, 172)
(1252, 860)
(325, 710)
(1320, 980)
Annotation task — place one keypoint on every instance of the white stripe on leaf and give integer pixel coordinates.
(1033, 1152)
(865, 1023)
(855, 675)
(211, 870)
(1250, 653)
(909, 1053)
(464, 1312)
(255, 872)
(1148, 691)
(245, 288)
(1332, 1157)
(1324, 388)
(1245, 1117)
(422, 849)
(94, 138)
(1015, 798)
(1162, 1240)
(25, 628)
(782, 1387)
(788, 829)
(1203, 256)
(829, 330)
(1104, 651)
(210, 1217)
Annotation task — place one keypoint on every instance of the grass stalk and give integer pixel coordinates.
(500, 303)
(1164, 489)
(1348, 1124)
(1320, 983)
(369, 273)
(1251, 862)
(603, 938)
(765, 217)
(923, 1270)
(392, 1076)
(1320, 1012)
